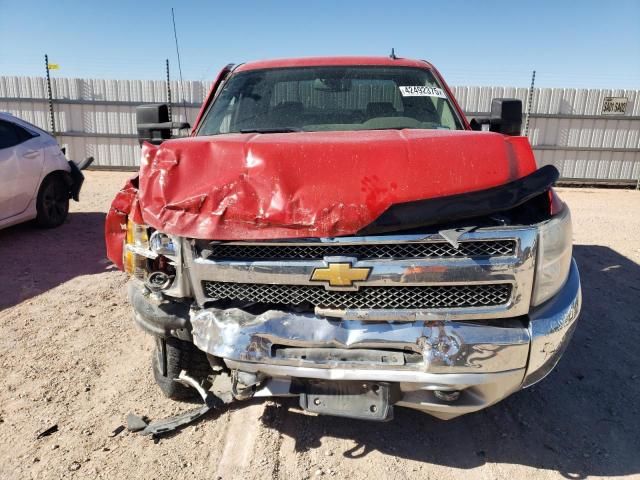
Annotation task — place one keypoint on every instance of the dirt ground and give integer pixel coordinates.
(71, 356)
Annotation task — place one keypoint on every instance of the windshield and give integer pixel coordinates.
(330, 99)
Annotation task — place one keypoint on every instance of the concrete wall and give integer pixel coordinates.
(568, 130)
(96, 117)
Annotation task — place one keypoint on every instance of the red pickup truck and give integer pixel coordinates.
(335, 229)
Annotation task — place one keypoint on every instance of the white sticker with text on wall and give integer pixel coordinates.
(421, 91)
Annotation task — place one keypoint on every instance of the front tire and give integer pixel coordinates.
(170, 357)
(52, 204)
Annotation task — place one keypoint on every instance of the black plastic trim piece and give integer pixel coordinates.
(434, 211)
(160, 320)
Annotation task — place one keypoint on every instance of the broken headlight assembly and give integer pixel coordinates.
(162, 244)
(554, 256)
(148, 256)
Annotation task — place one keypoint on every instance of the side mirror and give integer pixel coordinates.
(153, 123)
(505, 117)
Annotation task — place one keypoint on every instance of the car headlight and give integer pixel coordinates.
(554, 257)
(148, 256)
(162, 244)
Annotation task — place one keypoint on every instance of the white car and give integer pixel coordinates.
(36, 180)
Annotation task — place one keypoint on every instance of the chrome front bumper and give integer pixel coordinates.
(485, 360)
(551, 327)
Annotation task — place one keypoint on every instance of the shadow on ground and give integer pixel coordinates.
(582, 420)
(35, 260)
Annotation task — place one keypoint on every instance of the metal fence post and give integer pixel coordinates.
(50, 96)
(168, 90)
(529, 102)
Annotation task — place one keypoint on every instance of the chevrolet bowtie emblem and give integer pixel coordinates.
(340, 274)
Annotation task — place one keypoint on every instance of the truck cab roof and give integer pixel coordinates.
(332, 61)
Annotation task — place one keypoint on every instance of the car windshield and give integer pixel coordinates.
(330, 99)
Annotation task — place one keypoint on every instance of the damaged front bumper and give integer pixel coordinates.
(480, 361)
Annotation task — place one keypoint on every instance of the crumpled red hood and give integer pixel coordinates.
(313, 184)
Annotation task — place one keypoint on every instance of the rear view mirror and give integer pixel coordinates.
(505, 117)
(153, 123)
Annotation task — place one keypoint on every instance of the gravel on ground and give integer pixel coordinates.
(71, 357)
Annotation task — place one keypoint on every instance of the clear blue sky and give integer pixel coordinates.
(570, 43)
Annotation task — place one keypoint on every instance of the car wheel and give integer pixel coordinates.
(52, 204)
(170, 357)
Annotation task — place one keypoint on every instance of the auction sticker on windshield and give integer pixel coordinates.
(421, 91)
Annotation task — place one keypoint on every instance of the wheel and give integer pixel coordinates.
(52, 204)
(170, 357)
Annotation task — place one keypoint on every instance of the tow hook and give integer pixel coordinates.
(243, 384)
(447, 395)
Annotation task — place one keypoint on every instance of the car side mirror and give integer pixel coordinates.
(505, 117)
(153, 123)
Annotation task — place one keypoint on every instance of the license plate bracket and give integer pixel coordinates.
(363, 400)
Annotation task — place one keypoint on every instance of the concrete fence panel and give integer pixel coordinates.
(96, 117)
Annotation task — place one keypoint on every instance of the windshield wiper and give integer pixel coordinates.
(270, 130)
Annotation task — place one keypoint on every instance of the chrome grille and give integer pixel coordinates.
(488, 248)
(407, 297)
